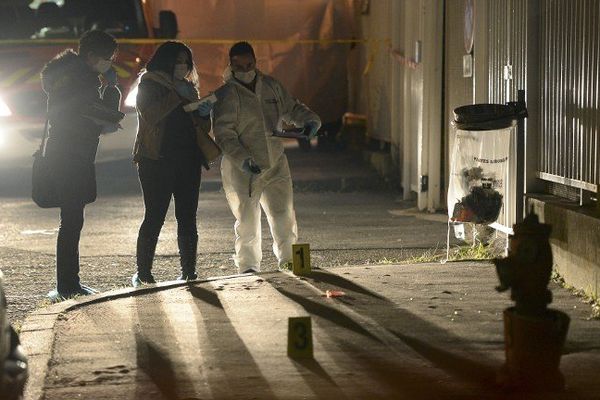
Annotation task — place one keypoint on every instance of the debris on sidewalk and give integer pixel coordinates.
(334, 293)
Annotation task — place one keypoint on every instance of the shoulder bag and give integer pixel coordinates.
(43, 188)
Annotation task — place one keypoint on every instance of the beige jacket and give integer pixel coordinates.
(155, 100)
(244, 120)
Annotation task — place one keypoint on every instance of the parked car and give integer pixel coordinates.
(13, 363)
(32, 34)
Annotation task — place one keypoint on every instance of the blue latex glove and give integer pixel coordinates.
(184, 89)
(111, 77)
(251, 167)
(205, 108)
(312, 127)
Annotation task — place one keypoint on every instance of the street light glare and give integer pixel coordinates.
(130, 99)
(4, 110)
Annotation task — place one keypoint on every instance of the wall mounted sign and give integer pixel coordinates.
(469, 25)
(467, 66)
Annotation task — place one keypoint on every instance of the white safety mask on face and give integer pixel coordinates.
(103, 65)
(180, 71)
(245, 77)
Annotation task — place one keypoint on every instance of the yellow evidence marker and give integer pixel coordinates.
(300, 344)
(301, 259)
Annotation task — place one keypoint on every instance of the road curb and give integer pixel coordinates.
(37, 332)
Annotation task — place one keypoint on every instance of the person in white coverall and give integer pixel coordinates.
(254, 168)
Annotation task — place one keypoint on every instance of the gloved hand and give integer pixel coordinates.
(110, 76)
(184, 89)
(205, 108)
(312, 127)
(251, 167)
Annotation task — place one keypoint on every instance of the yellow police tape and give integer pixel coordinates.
(373, 45)
(198, 41)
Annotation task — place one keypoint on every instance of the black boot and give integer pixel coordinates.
(146, 247)
(188, 250)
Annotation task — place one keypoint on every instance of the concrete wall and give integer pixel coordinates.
(400, 94)
(575, 238)
(374, 92)
(458, 90)
(410, 106)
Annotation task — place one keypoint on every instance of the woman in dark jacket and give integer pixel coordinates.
(71, 81)
(168, 157)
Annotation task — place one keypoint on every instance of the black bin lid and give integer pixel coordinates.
(484, 117)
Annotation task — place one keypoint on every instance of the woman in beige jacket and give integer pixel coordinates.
(166, 152)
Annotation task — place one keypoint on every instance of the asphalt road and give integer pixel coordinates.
(351, 228)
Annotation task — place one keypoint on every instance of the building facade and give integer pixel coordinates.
(424, 58)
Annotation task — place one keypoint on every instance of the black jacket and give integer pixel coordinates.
(72, 86)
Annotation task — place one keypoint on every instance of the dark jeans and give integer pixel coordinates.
(163, 179)
(67, 248)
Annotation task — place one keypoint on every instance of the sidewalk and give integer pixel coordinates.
(425, 331)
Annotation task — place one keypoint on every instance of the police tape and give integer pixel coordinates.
(373, 49)
(199, 41)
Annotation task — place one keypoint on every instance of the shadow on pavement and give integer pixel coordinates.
(454, 364)
(157, 366)
(314, 374)
(395, 377)
(331, 279)
(467, 369)
(155, 339)
(404, 325)
(403, 378)
(232, 369)
(329, 313)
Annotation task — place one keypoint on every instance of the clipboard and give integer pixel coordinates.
(292, 133)
(102, 115)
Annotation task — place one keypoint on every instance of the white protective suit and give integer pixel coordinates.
(243, 127)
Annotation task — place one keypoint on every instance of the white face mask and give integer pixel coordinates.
(102, 65)
(245, 77)
(180, 71)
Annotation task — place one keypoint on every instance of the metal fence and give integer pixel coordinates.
(507, 72)
(507, 43)
(570, 75)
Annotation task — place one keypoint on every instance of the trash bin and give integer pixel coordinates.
(480, 163)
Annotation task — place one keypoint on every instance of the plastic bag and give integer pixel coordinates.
(478, 175)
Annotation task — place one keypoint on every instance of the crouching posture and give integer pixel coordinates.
(168, 157)
(254, 168)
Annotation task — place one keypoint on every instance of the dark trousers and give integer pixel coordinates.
(161, 180)
(67, 248)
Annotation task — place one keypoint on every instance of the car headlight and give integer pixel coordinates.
(4, 110)
(130, 99)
